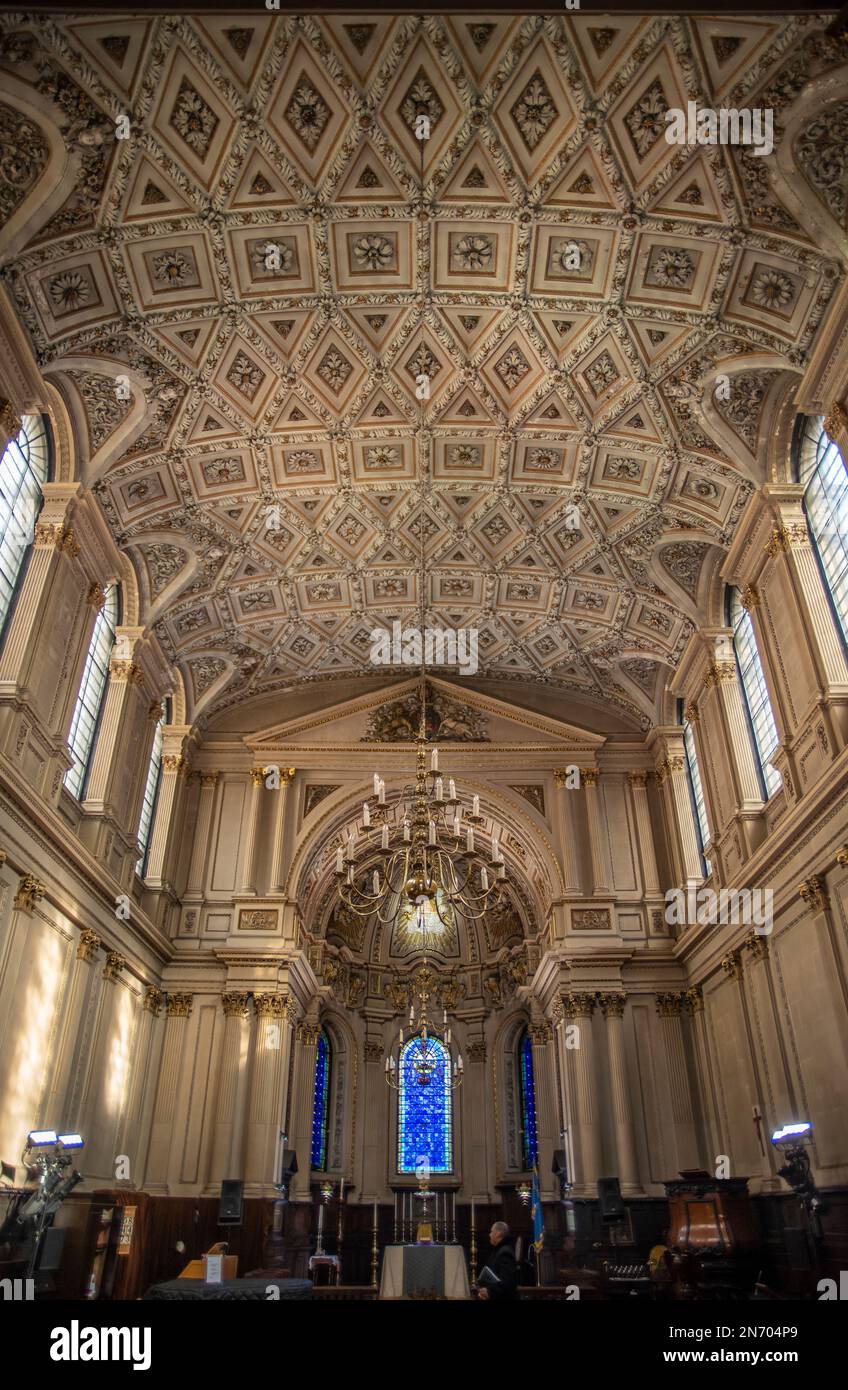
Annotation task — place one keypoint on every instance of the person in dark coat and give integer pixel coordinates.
(501, 1262)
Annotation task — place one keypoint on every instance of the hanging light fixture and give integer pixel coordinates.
(427, 1051)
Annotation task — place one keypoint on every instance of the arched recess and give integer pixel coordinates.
(537, 876)
(683, 563)
(506, 1081)
(153, 602)
(130, 424)
(759, 384)
(342, 1092)
(57, 171)
(805, 176)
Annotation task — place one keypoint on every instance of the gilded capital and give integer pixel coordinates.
(691, 713)
(731, 964)
(209, 779)
(10, 421)
(96, 596)
(272, 1005)
(638, 778)
(113, 965)
(541, 1032)
(694, 997)
(560, 777)
(58, 535)
(590, 775)
(582, 1003)
(750, 597)
(836, 420)
(612, 1004)
(179, 1005)
(814, 893)
(373, 1052)
(720, 673)
(287, 775)
(477, 1051)
(257, 776)
(88, 945)
(757, 944)
(842, 856)
(126, 672)
(308, 1034)
(669, 1003)
(173, 762)
(235, 1005)
(30, 891)
(152, 1001)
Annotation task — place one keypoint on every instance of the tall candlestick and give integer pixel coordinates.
(340, 1230)
(394, 1229)
(473, 1250)
(453, 1218)
(319, 1248)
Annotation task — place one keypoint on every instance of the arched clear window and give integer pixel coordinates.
(92, 690)
(24, 467)
(527, 1093)
(824, 473)
(696, 788)
(151, 790)
(425, 1109)
(755, 691)
(321, 1101)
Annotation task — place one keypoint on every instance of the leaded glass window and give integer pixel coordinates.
(23, 468)
(321, 1102)
(425, 1120)
(527, 1088)
(760, 717)
(91, 692)
(823, 471)
(151, 793)
(696, 791)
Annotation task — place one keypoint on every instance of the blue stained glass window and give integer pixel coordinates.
(529, 1140)
(425, 1129)
(321, 1103)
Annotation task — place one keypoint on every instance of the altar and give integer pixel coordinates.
(424, 1271)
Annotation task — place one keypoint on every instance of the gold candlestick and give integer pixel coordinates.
(374, 1251)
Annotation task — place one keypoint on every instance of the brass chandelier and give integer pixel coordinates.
(419, 844)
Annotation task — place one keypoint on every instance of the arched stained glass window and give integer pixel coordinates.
(151, 790)
(696, 789)
(321, 1102)
(24, 466)
(91, 692)
(527, 1089)
(824, 473)
(758, 705)
(425, 1114)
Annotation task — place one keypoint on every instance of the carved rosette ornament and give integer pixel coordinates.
(612, 1004)
(30, 891)
(152, 1002)
(88, 944)
(235, 1005)
(179, 1005)
(814, 893)
(670, 1003)
(113, 965)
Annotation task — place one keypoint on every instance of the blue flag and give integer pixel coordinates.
(537, 1213)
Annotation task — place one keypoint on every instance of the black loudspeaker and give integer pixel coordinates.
(231, 1204)
(609, 1196)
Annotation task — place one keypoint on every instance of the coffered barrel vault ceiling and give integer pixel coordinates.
(249, 388)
